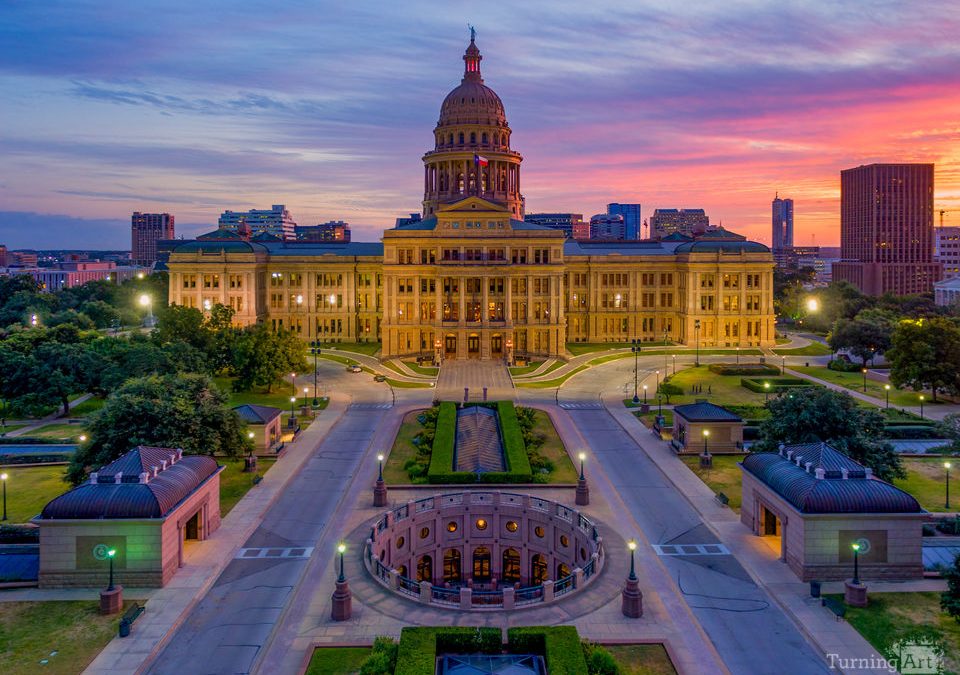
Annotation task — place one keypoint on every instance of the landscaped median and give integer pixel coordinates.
(876, 389)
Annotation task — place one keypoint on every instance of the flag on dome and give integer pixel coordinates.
(480, 161)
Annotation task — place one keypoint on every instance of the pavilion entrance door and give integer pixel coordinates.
(473, 345)
(450, 345)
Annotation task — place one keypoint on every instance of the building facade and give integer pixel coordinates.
(782, 223)
(471, 279)
(607, 226)
(631, 218)
(689, 222)
(275, 221)
(146, 229)
(947, 250)
(334, 230)
(566, 222)
(886, 229)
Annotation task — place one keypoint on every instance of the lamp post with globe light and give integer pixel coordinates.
(921, 405)
(946, 466)
(3, 479)
(147, 302)
(380, 487)
(583, 491)
(342, 597)
(635, 348)
(293, 412)
(886, 390)
(631, 599)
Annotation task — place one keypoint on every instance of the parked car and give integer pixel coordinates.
(380, 378)
(355, 368)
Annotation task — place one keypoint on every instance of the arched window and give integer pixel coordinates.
(481, 564)
(473, 138)
(425, 569)
(451, 140)
(562, 571)
(483, 138)
(461, 138)
(538, 569)
(511, 565)
(402, 570)
(503, 139)
(451, 565)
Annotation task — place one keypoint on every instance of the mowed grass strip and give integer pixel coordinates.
(927, 481)
(29, 488)
(403, 450)
(649, 659)
(234, 483)
(337, 660)
(854, 382)
(723, 477)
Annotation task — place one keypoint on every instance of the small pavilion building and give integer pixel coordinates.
(813, 503)
(724, 429)
(265, 423)
(145, 506)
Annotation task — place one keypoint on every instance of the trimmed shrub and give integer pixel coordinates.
(441, 460)
(514, 448)
(669, 389)
(382, 659)
(418, 648)
(744, 369)
(599, 660)
(911, 431)
(843, 366)
(559, 645)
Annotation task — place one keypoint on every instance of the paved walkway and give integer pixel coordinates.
(475, 375)
(55, 416)
(167, 607)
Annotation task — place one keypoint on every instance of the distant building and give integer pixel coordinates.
(782, 218)
(606, 226)
(414, 218)
(70, 274)
(145, 230)
(886, 229)
(795, 257)
(631, 218)
(690, 222)
(581, 230)
(557, 221)
(947, 292)
(276, 221)
(3, 255)
(947, 250)
(334, 230)
(22, 259)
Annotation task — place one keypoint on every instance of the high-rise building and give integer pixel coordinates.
(276, 221)
(782, 223)
(947, 250)
(145, 230)
(557, 221)
(631, 218)
(334, 230)
(3, 255)
(607, 226)
(886, 229)
(689, 222)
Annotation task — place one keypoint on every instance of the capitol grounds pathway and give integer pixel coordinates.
(306, 623)
(819, 624)
(167, 607)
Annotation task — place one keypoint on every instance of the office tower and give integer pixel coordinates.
(606, 226)
(631, 218)
(886, 229)
(557, 221)
(334, 230)
(276, 221)
(145, 230)
(690, 222)
(947, 250)
(782, 221)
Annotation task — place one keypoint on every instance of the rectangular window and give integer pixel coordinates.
(707, 280)
(706, 302)
(518, 256)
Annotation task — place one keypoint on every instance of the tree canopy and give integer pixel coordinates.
(261, 357)
(925, 354)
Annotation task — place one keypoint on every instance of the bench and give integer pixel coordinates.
(131, 615)
(835, 606)
(722, 498)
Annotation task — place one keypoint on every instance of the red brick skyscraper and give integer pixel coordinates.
(886, 229)
(145, 230)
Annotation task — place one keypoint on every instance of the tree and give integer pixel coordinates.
(950, 598)
(174, 411)
(261, 357)
(867, 334)
(182, 324)
(818, 414)
(925, 354)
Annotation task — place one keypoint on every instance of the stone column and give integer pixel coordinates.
(466, 597)
(631, 602)
(426, 592)
(342, 601)
(509, 598)
(548, 591)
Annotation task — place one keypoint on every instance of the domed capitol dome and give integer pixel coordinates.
(472, 102)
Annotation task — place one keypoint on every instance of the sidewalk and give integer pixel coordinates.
(374, 365)
(167, 607)
(818, 624)
(52, 417)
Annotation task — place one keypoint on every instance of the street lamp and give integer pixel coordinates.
(921, 406)
(738, 356)
(766, 392)
(783, 364)
(674, 356)
(658, 381)
(812, 305)
(380, 474)
(380, 488)
(305, 390)
(315, 350)
(644, 394)
(856, 563)
(946, 465)
(886, 389)
(110, 554)
(696, 327)
(83, 438)
(583, 456)
(864, 371)
(632, 545)
(293, 412)
(147, 302)
(706, 437)
(583, 492)
(341, 549)
(635, 348)
(3, 479)
(293, 383)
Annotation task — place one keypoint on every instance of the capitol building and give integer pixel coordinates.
(472, 279)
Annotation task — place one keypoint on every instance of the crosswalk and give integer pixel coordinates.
(274, 552)
(581, 405)
(371, 406)
(690, 549)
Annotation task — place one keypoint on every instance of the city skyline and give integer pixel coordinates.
(329, 120)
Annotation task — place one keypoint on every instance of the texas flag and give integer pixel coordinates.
(480, 161)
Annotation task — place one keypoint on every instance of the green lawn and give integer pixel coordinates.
(719, 389)
(368, 348)
(854, 381)
(723, 477)
(29, 488)
(61, 431)
(578, 348)
(11, 427)
(891, 617)
(812, 349)
(278, 398)
(647, 419)
(527, 369)
(553, 449)
(549, 384)
(234, 483)
(345, 360)
(926, 480)
(394, 367)
(91, 405)
(56, 637)
(429, 371)
(402, 384)
(337, 660)
(642, 659)
(403, 449)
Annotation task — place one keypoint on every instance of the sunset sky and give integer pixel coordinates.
(195, 107)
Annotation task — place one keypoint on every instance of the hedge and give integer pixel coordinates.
(441, 458)
(777, 384)
(559, 645)
(844, 366)
(745, 369)
(911, 431)
(515, 450)
(418, 649)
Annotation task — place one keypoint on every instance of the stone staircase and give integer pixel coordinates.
(478, 446)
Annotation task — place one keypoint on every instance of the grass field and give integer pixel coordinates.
(578, 348)
(368, 348)
(647, 419)
(891, 617)
(337, 660)
(549, 384)
(234, 484)
(402, 450)
(60, 431)
(926, 480)
(278, 398)
(403, 384)
(723, 477)
(525, 370)
(553, 449)
(719, 389)
(854, 382)
(642, 659)
(11, 427)
(812, 349)
(546, 371)
(91, 405)
(56, 637)
(29, 488)
(429, 371)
